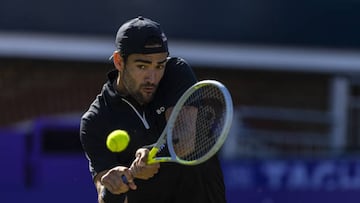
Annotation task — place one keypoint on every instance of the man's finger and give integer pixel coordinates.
(132, 185)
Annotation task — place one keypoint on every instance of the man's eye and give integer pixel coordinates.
(141, 67)
(161, 66)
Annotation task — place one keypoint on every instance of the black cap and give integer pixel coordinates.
(141, 36)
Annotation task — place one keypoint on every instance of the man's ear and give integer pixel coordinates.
(118, 61)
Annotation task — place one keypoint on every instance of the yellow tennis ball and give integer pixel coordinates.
(117, 140)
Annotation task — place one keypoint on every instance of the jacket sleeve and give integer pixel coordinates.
(93, 137)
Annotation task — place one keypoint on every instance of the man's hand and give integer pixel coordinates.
(140, 169)
(112, 180)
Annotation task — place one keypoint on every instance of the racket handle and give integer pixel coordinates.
(151, 160)
(124, 179)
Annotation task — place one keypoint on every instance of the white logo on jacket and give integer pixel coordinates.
(160, 110)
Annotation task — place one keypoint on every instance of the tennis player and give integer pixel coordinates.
(137, 97)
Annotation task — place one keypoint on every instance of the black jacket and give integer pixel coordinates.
(110, 111)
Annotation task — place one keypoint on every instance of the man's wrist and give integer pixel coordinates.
(108, 197)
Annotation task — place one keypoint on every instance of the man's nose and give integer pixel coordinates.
(151, 76)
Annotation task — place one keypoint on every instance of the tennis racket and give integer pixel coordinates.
(198, 125)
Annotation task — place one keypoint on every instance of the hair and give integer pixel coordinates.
(124, 56)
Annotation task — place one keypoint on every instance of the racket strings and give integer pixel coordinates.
(199, 124)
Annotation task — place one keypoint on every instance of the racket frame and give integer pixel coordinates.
(166, 135)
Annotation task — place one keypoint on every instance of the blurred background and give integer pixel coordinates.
(292, 67)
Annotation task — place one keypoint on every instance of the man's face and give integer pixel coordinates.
(142, 74)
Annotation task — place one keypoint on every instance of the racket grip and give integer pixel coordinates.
(124, 179)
